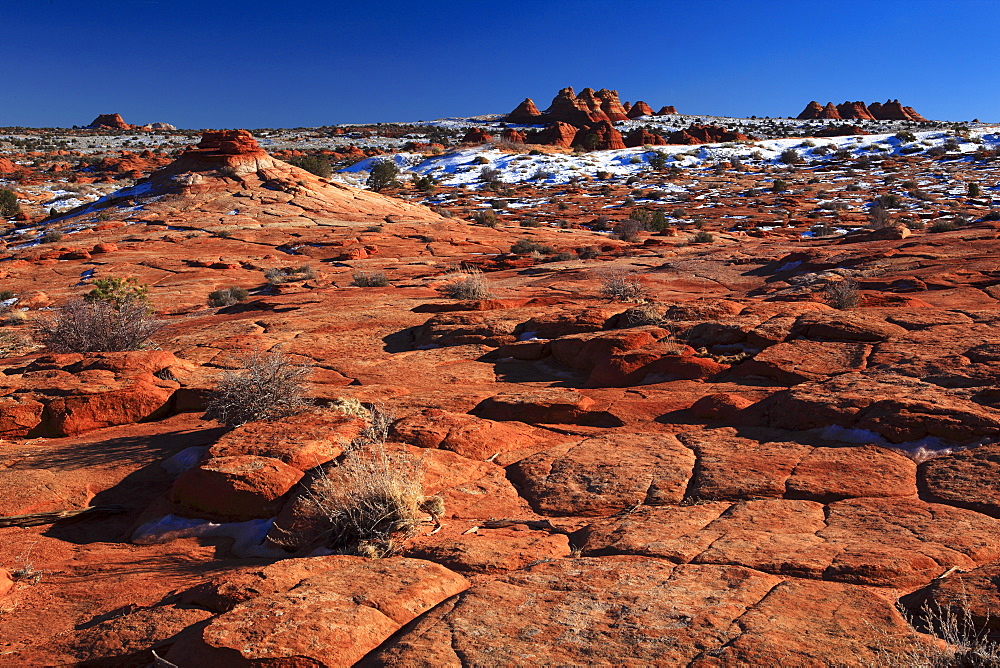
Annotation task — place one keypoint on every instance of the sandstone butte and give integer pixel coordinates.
(726, 475)
(892, 110)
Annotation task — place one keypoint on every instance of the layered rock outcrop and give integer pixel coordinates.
(704, 134)
(892, 110)
(109, 122)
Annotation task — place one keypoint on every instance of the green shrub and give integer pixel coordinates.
(383, 175)
(942, 226)
(119, 292)
(791, 157)
(314, 164)
(51, 236)
(974, 189)
(779, 185)
(703, 237)
(8, 203)
(487, 217)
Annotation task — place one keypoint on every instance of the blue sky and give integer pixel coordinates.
(252, 64)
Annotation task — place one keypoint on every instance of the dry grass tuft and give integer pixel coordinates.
(469, 283)
(621, 285)
(268, 385)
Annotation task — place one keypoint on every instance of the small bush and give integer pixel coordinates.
(906, 136)
(974, 189)
(622, 286)
(779, 185)
(366, 506)
(526, 247)
(383, 175)
(370, 279)
(467, 284)
(588, 253)
(119, 291)
(314, 164)
(942, 226)
(266, 386)
(227, 296)
(842, 295)
(628, 230)
(889, 201)
(51, 236)
(637, 316)
(281, 275)
(486, 217)
(878, 217)
(791, 157)
(8, 203)
(992, 214)
(703, 237)
(98, 326)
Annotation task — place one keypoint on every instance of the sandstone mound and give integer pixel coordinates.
(227, 175)
(892, 110)
(109, 122)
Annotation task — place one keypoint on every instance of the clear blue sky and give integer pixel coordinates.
(217, 63)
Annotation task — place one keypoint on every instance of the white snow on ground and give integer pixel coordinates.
(464, 167)
(918, 451)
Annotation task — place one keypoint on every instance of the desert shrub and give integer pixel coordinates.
(703, 237)
(227, 296)
(82, 326)
(498, 204)
(992, 214)
(119, 291)
(821, 150)
(382, 175)
(529, 221)
(878, 217)
(779, 185)
(622, 286)
(526, 247)
(842, 295)
(265, 386)
(468, 283)
(370, 279)
(564, 256)
(51, 236)
(974, 189)
(280, 275)
(601, 224)
(637, 316)
(791, 157)
(889, 201)
(490, 177)
(964, 646)
(588, 253)
(628, 230)
(906, 136)
(658, 160)
(487, 217)
(936, 151)
(314, 164)
(367, 505)
(942, 226)
(8, 203)
(14, 343)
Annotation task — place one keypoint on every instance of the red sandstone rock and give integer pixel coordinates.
(514, 136)
(643, 137)
(110, 122)
(7, 167)
(466, 435)
(546, 406)
(670, 109)
(600, 137)
(476, 136)
(973, 597)
(840, 131)
(601, 476)
(133, 637)
(640, 109)
(968, 479)
(241, 487)
(612, 106)
(495, 551)
(813, 110)
(525, 113)
(558, 134)
(892, 110)
(854, 110)
(704, 134)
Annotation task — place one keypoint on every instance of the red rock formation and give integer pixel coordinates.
(669, 109)
(611, 105)
(557, 134)
(526, 113)
(567, 108)
(643, 137)
(514, 136)
(892, 110)
(830, 111)
(110, 122)
(854, 111)
(640, 108)
(600, 137)
(6, 166)
(704, 134)
(812, 110)
(627, 105)
(476, 136)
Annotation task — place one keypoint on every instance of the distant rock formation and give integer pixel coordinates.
(640, 108)
(514, 136)
(109, 122)
(601, 137)
(705, 134)
(670, 109)
(6, 166)
(476, 136)
(159, 126)
(583, 110)
(643, 137)
(892, 110)
(557, 134)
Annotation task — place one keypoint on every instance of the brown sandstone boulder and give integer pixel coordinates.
(968, 479)
(542, 406)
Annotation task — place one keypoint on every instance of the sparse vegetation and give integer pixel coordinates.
(9, 205)
(227, 296)
(703, 237)
(468, 283)
(265, 386)
(791, 157)
(942, 226)
(281, 275)
(622, 286)
(82, 326)
(314, 164)
(370, 279)
(842, 294)
(51, 236)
